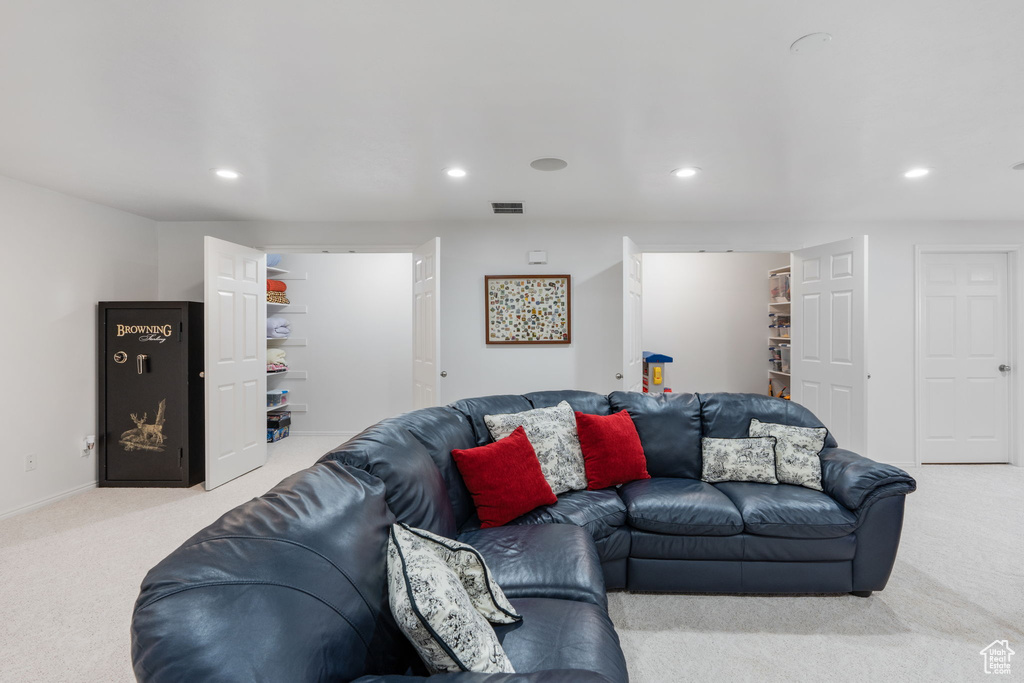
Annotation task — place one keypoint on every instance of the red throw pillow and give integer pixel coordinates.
(612, 453)
(504, 478)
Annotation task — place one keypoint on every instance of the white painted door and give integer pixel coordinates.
(632, 316)
(235, 360)
(426, 341)
(963, 338)
(829, 373)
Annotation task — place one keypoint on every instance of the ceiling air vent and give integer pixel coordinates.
(507, 207)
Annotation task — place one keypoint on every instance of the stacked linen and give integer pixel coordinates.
(276, 292)
(276, 360)
(278, 327)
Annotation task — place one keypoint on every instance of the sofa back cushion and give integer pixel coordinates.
(669, 429)
(289, 586)
(587, 402)
(727, 416)
(415, 489)
(441, 430)
(475, 408)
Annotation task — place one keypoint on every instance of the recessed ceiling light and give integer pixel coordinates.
(917, 173)
(1018, 167)
(456, 172)
(227, 173)
(549, 164)
(810, 42)
(686, 172)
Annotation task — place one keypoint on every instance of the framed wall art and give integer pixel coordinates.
(528, 309)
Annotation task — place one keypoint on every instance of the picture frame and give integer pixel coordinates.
(528, 309)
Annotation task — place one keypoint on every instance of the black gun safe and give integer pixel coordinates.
(152, 422)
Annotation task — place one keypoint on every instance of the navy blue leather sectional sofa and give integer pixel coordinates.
(292, 585)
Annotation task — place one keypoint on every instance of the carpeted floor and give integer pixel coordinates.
(70, 572)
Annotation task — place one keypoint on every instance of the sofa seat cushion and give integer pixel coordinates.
(685, 507)
(788, 511)
(542, 561)
(739, 547)
(599, 512)
(563, 634)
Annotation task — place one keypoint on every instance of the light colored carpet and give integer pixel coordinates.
(958, 585)
(70, 573)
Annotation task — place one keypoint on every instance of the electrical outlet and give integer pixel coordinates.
(88, 444)
(30, 462)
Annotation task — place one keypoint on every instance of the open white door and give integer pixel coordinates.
(632, 316)
(235, 360)
(829, 373)
(426, 337)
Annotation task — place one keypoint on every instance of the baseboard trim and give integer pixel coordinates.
(347, 435)
(48, 501)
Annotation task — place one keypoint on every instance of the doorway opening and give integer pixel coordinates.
(348, 351)
(711, 313)
(828, 326)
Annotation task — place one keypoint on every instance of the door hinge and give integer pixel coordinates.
(181, 330)
(181, 456)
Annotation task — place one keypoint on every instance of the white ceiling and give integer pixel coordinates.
(339, 110)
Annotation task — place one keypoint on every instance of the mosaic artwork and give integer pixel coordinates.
(528, 309)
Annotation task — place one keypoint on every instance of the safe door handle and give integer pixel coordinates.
(140, 362)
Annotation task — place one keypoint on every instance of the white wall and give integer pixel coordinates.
(591, 253)
(359, 331)
(63, 256)
(710, 313)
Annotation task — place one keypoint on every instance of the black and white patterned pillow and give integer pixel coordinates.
(435, 612)
(796, 451)
(738, 460)
(552, 433)
(471, 568)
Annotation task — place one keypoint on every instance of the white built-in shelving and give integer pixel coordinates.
(779, 306)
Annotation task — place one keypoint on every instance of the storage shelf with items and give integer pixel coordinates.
(780, 332)
(278, 335)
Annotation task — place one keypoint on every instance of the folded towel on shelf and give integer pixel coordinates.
(277, 298)
(278, 327)
(273, 259)
(277, 357)
(276, 286)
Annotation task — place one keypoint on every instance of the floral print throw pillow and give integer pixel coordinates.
(552, 433)
(796, 451)
(436, 612)
(738, 460)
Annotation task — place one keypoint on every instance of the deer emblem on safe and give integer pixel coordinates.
(147, 437)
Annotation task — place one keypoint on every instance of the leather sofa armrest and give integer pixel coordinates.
(856, 481)
(551, 676)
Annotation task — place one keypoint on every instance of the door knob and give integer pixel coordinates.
(1004, 368)
(618, 375)
(444, 373)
